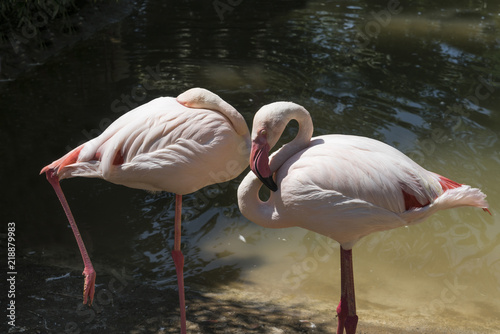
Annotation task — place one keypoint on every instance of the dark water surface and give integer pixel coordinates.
(422, 77)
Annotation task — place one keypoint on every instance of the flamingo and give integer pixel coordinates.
(341, 186)
(170, 144)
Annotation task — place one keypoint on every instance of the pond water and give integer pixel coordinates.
(422, 77)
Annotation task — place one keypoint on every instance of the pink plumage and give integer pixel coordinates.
(344, 187)
(177, 145)
(165, 145)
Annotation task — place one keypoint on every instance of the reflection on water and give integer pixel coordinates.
(424, 81)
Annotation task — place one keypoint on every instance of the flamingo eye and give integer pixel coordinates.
(263, 132)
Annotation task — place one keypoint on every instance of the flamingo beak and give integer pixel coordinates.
(259, 162)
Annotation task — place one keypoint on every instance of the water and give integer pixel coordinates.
(421, 77)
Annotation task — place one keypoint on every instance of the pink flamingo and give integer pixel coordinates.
(176, 145)
(343, 187)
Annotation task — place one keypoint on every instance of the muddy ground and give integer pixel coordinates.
(49, 300)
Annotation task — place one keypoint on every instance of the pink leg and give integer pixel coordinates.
(179, 260)
(88, 272)
(346, 311)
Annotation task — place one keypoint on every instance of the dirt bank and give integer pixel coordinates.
(49, 300)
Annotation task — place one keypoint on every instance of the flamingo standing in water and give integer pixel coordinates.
(177, 145)
(343, 187)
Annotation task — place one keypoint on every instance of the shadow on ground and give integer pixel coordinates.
(49, 300)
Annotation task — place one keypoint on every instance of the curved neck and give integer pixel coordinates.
(238, 122)
(234, 117)
(301, 141)
(203, 98)
(278, 114)
(250, 204)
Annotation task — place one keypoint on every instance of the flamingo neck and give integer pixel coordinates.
(236, 119)
(279, 114)
(301, 140)
(202, 98)
(259, 212)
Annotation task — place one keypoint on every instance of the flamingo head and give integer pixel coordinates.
(268, 125)
(259, 159)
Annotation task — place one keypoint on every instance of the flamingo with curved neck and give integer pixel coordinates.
(168, 144)
(344, 187)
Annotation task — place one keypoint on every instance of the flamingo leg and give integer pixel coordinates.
(346, 310)
(88, 271)
(179, 260)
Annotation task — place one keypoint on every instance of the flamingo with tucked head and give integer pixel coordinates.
(344, 187)
(170, 144)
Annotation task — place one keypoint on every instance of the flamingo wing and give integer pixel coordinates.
(347, 187)
(365, 169)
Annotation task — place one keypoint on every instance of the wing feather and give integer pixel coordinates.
(361, 168)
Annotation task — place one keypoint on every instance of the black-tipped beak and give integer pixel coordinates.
(269, 182)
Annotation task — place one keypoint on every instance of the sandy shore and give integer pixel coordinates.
(49, 300)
